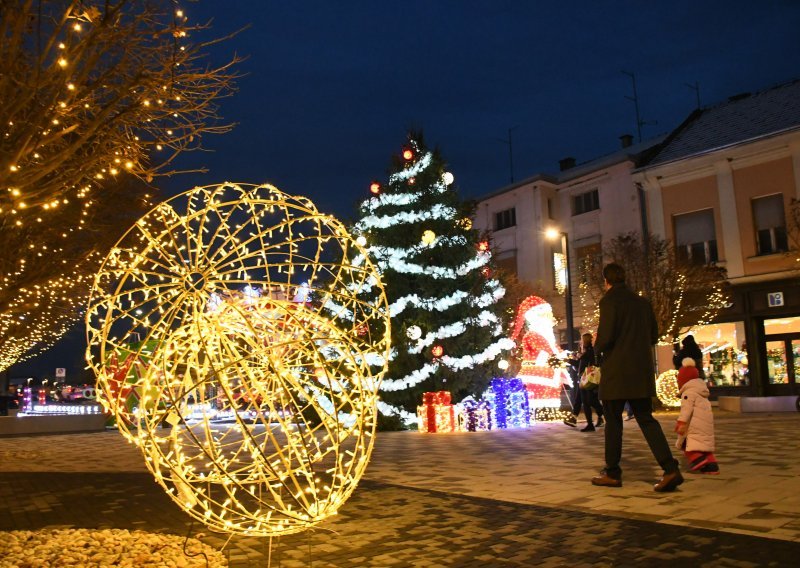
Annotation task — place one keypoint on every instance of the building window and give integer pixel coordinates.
(505, 219)
(585, 202)
(695, 237)
(725, 356)
(550, 208)
(590, 262)
(770, 225)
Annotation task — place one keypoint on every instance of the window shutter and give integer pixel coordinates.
(768, 212)
(697, 227)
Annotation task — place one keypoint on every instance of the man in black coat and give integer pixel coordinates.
(625, 336)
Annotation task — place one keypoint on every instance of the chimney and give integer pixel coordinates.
(627, 140)
(566, 163)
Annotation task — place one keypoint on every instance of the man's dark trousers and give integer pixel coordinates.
(643, 412)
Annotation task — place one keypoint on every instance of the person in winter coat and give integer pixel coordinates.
(689, 348)
(626, 333)
(695, 426)
(586, 398)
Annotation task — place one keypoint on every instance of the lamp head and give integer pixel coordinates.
(552, 234)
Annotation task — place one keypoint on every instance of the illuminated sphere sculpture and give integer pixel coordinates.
(232, 312)
(667, 389)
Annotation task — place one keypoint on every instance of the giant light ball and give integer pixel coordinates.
(253, 331)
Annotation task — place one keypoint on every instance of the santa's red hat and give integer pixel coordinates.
(687, 372)
(528, 303)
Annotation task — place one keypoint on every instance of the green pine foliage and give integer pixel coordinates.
(447, 289)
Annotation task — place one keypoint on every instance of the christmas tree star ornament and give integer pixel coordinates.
(257, 365)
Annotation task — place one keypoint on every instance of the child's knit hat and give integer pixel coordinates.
(687, 372)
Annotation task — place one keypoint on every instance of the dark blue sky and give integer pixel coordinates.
(332, 87)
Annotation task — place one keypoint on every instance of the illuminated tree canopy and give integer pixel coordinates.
(683, 295)
(97, 99)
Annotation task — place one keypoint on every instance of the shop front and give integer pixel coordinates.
(753, 347)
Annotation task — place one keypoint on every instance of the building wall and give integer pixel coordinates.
(728, 180)
(619, 213)
(687, 197)
(760, 180)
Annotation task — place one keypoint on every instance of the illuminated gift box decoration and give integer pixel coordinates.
(477, 415)
(200, 290)
(510, 403)
(436, 413)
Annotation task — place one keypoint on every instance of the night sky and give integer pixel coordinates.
(332, 88)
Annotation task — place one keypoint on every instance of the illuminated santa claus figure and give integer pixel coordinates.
(533, 333)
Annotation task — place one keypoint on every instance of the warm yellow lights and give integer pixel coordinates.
(552, 234)
(667, 389)
(241, 302)
(62, 62)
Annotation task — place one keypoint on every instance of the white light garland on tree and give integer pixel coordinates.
(444, 302)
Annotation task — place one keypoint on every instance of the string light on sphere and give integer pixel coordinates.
(408, 154)
(428, 237)
(375, 188)
(448, 178)
(667, 389)
(217, 305)
(437, 351)
(502, 364)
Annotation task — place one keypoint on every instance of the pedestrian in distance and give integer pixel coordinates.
(626, 334)
(585, 398)
(695, 425)
(689, 348)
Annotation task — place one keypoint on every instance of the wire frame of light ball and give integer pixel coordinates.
(206, 281)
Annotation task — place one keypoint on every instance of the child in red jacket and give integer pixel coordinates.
(695, 425)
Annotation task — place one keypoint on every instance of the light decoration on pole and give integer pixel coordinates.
(553, 234)
(297, 381)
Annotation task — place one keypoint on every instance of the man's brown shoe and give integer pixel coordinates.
(668, 482)
(604, 480)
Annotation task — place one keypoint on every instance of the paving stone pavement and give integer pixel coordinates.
(505, 498)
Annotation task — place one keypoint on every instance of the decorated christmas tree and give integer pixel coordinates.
(446, 304)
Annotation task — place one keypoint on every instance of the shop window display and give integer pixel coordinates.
(783, 349)
(724, 353)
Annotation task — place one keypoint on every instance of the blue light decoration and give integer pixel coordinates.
(510, 403)
(477, 414)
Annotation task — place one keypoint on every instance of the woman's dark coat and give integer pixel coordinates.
(625, 337)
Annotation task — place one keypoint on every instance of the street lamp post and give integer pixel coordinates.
(552, 234)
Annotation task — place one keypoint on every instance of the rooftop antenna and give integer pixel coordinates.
(696, 89)
(635, 99)
(510, 151)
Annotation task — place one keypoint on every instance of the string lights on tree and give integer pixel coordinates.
(683, 295)
(97, 99)
(447, 312)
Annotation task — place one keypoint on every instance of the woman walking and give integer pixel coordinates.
(587, 398)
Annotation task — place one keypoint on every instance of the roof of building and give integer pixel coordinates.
(632, 153)
(742, 118)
